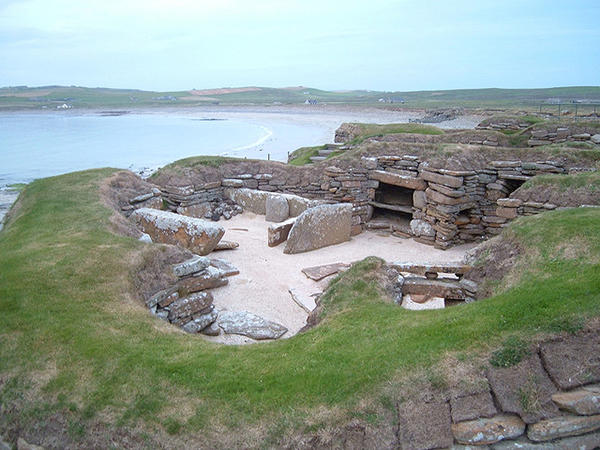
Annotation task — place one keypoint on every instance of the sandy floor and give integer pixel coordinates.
(267, 274)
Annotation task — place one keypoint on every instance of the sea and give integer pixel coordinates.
(40, 145)
(36, 146)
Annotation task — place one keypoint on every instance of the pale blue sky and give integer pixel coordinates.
(393, 45)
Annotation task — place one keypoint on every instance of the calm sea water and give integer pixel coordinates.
(40, 145)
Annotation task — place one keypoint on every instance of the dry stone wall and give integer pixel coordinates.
(435, 206)
(544, 134)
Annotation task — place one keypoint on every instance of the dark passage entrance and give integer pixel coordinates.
(393, 204)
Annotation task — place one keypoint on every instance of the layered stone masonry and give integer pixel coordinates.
(441, 207)
(544, 134)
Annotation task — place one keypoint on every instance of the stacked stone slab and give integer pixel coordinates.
(425, 281)
(150, 199)
(349, 186)
(547, 135)
(543, 134)
(503, 124)
(189, 303)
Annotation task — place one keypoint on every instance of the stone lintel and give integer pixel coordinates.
(443, 288)
(420, 268)
(398, 180)
(446, 180)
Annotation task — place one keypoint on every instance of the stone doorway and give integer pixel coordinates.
(393, 205)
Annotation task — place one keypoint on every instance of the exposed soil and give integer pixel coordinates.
(567, 198)
(492, 261)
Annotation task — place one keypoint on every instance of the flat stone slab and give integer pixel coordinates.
(421, 268)
(564, 426)
(226, 245)
(251, 325)
(191, 266)
(201, 321)
(303, 299)
(444, 288)
(398, 180)
(569, 369)
(320, 272)
(197, 235)
(209, 278)
(192, 304)
(585, 401)
(225, 267)
(488, 431)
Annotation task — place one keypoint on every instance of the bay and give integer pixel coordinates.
(40, 145)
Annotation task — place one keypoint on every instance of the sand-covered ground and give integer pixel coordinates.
(268, 277)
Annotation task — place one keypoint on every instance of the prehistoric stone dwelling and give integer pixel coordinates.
(440, 190)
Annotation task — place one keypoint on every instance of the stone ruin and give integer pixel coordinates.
(407, 197)
(401, 195)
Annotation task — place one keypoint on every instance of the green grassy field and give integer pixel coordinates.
(76, 342)
(19, 98)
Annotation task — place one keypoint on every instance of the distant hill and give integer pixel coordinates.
(51, 97)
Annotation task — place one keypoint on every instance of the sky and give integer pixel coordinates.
(383, 45)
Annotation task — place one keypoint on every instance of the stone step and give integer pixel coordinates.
(326, 152)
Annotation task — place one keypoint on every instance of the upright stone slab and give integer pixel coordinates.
(320, 227)
(277, 209)
(249, 199)
(199, 236)
(278, 233)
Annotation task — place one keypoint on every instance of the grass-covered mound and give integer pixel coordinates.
(82, 360)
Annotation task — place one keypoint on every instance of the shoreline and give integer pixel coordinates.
(299, 113)
(323, 121)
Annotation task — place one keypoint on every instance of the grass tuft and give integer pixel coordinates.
(513, 351)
